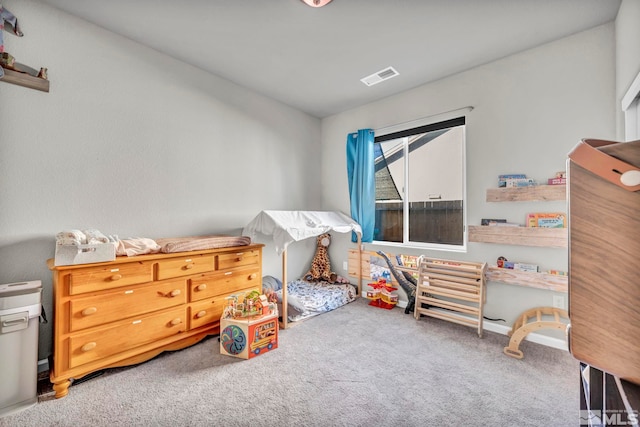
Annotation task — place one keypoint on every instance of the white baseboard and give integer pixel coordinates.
(533, 337)
(504, 330)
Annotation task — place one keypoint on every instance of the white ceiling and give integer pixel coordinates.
(313, 58)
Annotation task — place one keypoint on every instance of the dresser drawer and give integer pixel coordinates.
(111, 276)
(205, 312)
(105, 342)
(238, 259)
(126, 302)
(184, 266)
(223, 283)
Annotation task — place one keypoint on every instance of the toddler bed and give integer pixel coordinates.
(285, 227)
(307, 299)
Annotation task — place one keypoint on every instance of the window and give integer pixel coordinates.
(420, 185)
(631, 109)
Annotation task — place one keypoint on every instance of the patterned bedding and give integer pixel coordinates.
(319, 297)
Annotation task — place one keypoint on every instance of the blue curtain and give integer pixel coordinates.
(362, 182)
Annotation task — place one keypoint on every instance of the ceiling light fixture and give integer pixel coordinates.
(317, 3)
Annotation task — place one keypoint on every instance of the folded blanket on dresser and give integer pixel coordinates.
(197, 243)
(136, 246)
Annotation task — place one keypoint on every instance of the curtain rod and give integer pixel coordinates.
(418, 122)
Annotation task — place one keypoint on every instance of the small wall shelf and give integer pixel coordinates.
(547, 281)
(535, 193)
(525, 236)
(26, 80)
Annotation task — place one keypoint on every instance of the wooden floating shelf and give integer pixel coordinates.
(26, 80)
(552, 282)
(534, 193)
(525, 236)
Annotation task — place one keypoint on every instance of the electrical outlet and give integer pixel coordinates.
(345, 265)
(558, 301)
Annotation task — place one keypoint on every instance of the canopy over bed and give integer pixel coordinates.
(286, 227)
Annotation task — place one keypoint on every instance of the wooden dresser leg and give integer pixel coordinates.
(61, 388)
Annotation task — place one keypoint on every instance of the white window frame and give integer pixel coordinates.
(631, 108)
(463, 112)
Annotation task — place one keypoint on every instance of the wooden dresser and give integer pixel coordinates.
(129, 310)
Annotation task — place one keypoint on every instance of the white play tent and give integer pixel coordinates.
(286, 227)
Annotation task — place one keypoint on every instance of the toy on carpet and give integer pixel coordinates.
(382, 295)
(321, 265)
(406, 281)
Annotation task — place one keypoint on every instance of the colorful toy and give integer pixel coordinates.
(247, 305)
(407, 283)
(248, 338)
(382, 295)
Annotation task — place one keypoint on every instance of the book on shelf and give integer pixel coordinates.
(409, 261)
(486, 221)
(547, 220)
(557, 181)
(509, 180)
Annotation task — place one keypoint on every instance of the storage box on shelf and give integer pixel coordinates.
(131, 309)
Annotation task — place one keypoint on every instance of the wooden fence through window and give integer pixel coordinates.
(429, 222)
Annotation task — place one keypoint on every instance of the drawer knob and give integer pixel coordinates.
(188, 266)
(89, 346)
(252, 276)
(89, 311)
(201, 314)
(116, 277)
(201, 287)
(175, 292)
(176, 321)
(239, 259)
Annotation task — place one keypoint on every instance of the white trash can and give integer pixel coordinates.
(20, 306)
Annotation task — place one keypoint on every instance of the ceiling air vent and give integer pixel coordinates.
(380, 76)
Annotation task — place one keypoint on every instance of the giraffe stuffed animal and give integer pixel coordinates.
(321, 265)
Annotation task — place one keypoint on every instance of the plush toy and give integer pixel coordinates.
(321, 265)
(271, 295)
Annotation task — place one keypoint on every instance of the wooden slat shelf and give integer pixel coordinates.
(26, 80)
(535, 193)
(365, 266)
(525, 236)
(547, 281)
(455, 286)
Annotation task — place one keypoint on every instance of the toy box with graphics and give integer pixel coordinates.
(248, 338)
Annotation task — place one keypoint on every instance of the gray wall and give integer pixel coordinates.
(627, 54)
(530, 110)
(135, 143)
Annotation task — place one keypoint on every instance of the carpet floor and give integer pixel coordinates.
(355, 366)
